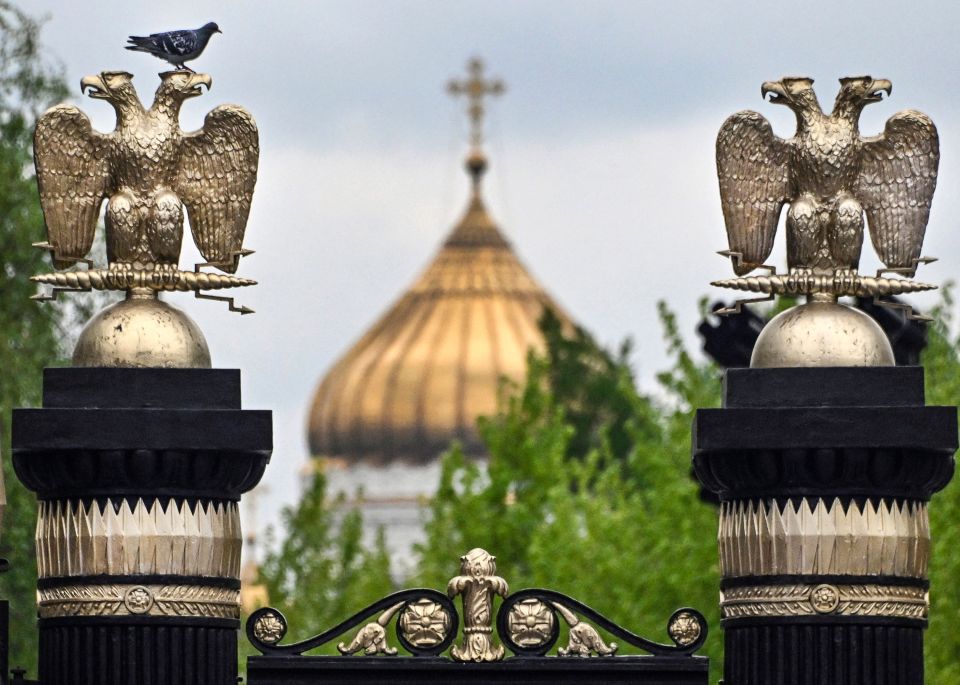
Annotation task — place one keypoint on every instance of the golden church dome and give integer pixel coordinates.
(432, 364)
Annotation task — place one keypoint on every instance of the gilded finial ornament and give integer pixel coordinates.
(152, 175)
(478, 582)
(835, 182)
(476, 88)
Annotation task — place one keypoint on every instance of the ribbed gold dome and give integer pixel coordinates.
(432, 364)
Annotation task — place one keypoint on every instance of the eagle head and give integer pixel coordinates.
(181, 85)
(116, 87)
(175, 88)
(796, 92)
(856, 92)
(113, 86)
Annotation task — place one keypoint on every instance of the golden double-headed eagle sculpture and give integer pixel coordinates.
(147, 170)
(831, 176)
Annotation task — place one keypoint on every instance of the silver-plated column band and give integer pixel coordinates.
(139, 600)
(816, 537)
(150, 538)
(890, 601)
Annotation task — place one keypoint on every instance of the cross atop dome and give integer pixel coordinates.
(476, 88)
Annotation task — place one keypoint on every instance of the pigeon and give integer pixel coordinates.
(176, 47)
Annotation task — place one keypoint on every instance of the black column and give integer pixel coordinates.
(824, 475)
(139, 473)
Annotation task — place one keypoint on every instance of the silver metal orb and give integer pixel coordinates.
(144, 332)
(822, 334)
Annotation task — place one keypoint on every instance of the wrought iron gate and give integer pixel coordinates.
(427, 624)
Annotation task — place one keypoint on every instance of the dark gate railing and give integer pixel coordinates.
(427, 624)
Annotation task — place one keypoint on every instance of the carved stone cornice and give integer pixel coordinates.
(148, 538)
(850, 471)
(807, 536)
(139, 600)
(60, 473)
(799, 600)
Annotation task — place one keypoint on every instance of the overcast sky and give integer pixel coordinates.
(602, 150)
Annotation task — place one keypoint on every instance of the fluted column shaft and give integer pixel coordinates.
(824, 477)
(139, 473)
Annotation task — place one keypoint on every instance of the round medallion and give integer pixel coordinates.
(825, 599)
(531, 623)
(424, 623)
(270, 627)
(684, 628)
(138, 600)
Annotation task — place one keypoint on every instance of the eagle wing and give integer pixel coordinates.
(753, 166)
(73, 174)
(898, 174)
(217, 175)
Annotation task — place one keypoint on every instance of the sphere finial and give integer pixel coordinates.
(476, 165)
(142, 332)
(822, 334)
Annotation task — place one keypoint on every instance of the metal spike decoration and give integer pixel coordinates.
(231, 305)
(767, 538)
(155, 537)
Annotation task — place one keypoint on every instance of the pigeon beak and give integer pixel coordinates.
(94, 87)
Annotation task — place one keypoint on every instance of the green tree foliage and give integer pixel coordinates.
(633, 540)
(941, 363)
(595, 390)
(322, 573)
(587, 489)
(30, 334)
